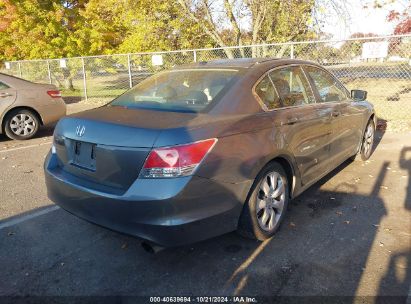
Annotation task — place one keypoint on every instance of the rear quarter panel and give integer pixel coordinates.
(242, 141)
(244, 147)
(49, 109)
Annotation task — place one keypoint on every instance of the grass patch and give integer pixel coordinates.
(390, 97)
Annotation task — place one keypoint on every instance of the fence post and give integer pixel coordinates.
(48, 71)
(20, 74)
(292, 51)
(84, 78)
(195, 55)
(130, 79)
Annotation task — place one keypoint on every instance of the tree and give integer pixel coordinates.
(38, 29)
(32, 29)
(403, 20)
(53, 29)
(268, 21)
(403, 26)
(7, 15)
(353, 48)
(138, 26)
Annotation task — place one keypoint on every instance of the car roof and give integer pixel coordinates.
(244, 63)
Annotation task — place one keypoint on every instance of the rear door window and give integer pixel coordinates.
(328, 87)
(291, 86)
(285, 87)
(267, 94)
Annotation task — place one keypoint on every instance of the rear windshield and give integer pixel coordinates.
(188, 90)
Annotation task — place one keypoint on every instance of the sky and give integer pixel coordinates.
(364, 20)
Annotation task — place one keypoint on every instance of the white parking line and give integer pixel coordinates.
(15, 221)
(25, 147)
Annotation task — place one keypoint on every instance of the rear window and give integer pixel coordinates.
(188, 90)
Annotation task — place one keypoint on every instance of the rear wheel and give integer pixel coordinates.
(367, 143)
(21, 124)
(266, 204)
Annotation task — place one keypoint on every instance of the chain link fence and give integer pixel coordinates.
(379, 65)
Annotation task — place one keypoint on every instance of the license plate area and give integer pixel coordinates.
(84, 155)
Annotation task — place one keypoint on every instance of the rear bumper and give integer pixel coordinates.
(169, 212)
(52, 112)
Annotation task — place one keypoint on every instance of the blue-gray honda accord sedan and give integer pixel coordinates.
(208, 148)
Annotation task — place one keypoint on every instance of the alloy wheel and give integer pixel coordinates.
(270, 201)
(22, 124)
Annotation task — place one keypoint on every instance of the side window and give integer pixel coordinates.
(267, 94)
(328, 87)
(292, 87)
(285, 87)
(3, 86)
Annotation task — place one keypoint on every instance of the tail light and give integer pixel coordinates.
(175, 161)
(54, 93)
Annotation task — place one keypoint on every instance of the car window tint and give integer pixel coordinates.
(3, 86)
(186, 90)
(328, 87)
(292, 87)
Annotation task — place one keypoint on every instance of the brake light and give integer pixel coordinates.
(175, 161)
(54, 93)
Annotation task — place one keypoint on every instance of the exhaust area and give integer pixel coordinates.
(151, 247)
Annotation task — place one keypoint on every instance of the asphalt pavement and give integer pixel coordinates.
(348, 235)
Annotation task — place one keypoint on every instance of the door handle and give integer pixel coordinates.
(335, 113)
(5, 94)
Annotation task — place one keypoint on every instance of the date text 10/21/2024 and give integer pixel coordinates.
(203, 299)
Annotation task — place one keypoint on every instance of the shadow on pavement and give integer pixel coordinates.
(43, 132)
(397, 279)
(321, 250)
(72, 99)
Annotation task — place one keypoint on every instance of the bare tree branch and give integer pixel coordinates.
(269, 20)
(229, 10)
(209, 26)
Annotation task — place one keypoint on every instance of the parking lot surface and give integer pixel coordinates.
(349, 234)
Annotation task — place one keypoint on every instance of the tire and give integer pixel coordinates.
(256, 221)
(366, 143)
(21, 124)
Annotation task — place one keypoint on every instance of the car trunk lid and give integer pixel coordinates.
(106, 152)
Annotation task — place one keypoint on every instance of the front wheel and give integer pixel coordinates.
(266, 204)
(21, 124)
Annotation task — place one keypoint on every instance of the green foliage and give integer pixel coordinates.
(291, 21)
(159, 25)
(354, 48)
(37, 29)
(32, 29)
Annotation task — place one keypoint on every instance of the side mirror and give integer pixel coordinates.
(358, 95)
